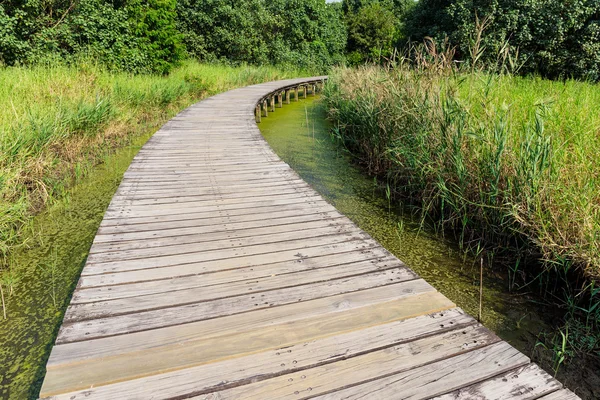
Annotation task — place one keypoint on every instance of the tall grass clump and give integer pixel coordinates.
(58, 121)
(509, 164)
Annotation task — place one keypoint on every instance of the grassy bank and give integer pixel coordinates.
(509, 164)
(67, 134)
(57, 122)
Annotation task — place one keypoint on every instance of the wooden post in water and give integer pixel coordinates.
(265, 109)
(305, 90)
(280, 99)
(287, 96)
(272, 100)
(257, 113)
(314, 88)
(296, 93)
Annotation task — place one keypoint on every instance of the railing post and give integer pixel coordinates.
(257, 113)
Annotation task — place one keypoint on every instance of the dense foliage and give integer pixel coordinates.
(130, 35)
(307, 33)
(558, 39)
(150, 35)
(375, 27)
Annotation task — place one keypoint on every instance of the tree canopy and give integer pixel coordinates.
(554, 38)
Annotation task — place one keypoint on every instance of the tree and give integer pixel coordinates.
(371, 30)
(134, 35)
(306, 33)
(555, 38)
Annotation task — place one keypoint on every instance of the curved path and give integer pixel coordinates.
(217, 273)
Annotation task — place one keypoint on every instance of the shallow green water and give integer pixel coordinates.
(46, 271)
(300, 135)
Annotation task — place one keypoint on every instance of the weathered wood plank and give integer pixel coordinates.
(222, 339)
(269, 275)
(223, 253)
(204, 219)
(437, 378)
(224, 240)
(211, 209)
(286, 257)
(305, 354)
(402, 362)
(179, 235)
(216, 203)
(99, 326)
(265, 293)
(525, 383)
(341, 312)
(564, 394)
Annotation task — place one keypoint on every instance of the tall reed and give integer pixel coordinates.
(509, 164)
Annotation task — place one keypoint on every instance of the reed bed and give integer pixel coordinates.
(508, 164)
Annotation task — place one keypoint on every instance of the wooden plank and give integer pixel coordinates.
(288, 257)
(344, 264)
(151, 196)
(132, 210)
(525, 383)
(316, 205)
(268, 292)
(564, 394)
(163, 207)
(433, 379)
(230, 252)
(157, 317)
(211, 209)
(343, 312)
(341, 227)
(241, 177)
(177, 234)
(116, 227)
(277, 361)
(222, 339)
(402, 360)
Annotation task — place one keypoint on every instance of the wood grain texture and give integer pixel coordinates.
(564, 394)
(525, 383)
(217, 272)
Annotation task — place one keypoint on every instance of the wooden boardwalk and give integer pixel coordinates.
(218, 273)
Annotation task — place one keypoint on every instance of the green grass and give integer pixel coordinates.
(509, 164)
(57, 122)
